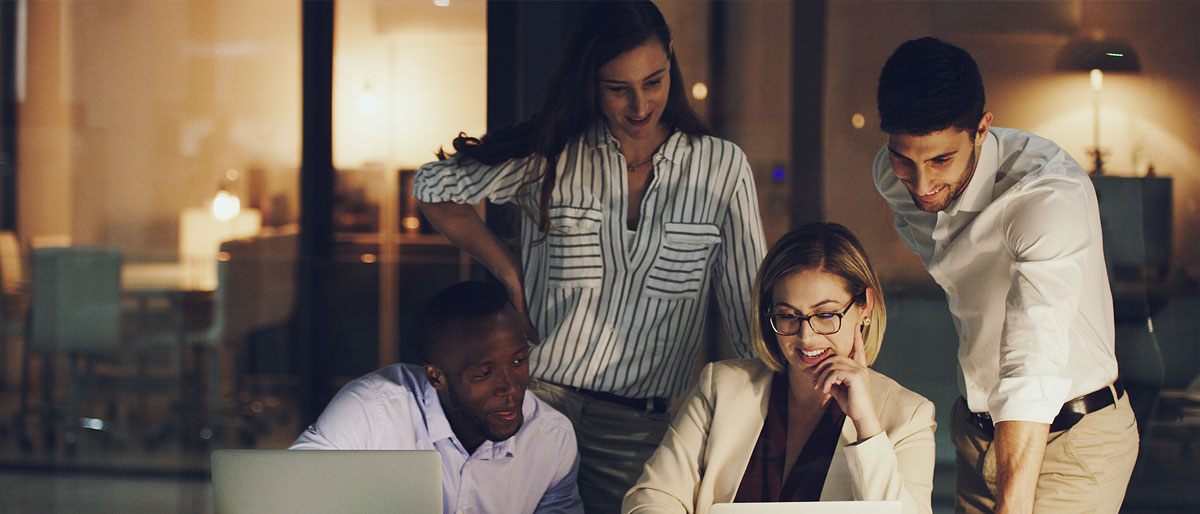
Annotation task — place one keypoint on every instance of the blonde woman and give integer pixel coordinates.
(808, 419)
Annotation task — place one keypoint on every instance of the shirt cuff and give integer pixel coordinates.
(1036, 399)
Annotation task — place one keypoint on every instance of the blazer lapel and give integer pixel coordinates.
(739, 427)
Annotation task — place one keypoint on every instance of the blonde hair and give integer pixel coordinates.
(827, 247)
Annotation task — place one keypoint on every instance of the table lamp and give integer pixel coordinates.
(1097, 55)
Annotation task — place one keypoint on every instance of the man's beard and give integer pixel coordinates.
(956, 188)
(461, 416)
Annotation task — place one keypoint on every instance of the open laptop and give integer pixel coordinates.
(872, 507)
(295, 481)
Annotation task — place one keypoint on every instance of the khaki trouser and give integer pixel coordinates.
(614, 443)
(1086, 468)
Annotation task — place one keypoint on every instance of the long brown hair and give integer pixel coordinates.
(604, 31)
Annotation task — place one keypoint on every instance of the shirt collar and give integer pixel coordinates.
(435, 418)
(978, 193)
(598, 136)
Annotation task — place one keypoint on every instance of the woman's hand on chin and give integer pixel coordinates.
(847, 379)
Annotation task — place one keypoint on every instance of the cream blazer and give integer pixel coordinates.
(705, 451)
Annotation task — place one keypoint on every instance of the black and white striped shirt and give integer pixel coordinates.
(623, 311)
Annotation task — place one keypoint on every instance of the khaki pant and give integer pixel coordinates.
(614, 443)
(1086, 468)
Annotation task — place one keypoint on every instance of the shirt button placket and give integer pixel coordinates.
(466, 488)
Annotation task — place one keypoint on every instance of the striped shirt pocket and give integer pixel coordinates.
(679, 269)
(575, 259)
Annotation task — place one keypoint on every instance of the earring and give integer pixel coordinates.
(866, 322)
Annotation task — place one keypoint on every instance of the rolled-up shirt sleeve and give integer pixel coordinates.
(1046, 230)
(462, 180)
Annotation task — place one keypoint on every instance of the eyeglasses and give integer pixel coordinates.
(823, 323)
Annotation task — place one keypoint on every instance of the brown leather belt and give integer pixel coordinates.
(1067, 417)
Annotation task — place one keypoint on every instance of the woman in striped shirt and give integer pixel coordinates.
(635, 218)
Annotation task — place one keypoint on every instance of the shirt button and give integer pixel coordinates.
(950, 289)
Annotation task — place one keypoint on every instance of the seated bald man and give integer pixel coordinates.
(503, 449)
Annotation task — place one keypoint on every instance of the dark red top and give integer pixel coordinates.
(763, 480)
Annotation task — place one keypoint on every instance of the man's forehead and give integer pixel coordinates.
(479, 340)
(928, 145)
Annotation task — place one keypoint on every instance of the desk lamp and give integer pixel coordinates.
(1096, 56)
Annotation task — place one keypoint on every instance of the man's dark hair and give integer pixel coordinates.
(928, 85)
(464, 300)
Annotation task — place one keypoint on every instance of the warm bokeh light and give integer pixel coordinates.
(231, 174)
(368, 258)
(699, 91)
(858, 120)
(225, 206)
(386, 107)
(1097, 80)
(368, 103)
(412, 223)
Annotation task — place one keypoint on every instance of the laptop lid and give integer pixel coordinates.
(359, 481)
(864, 507)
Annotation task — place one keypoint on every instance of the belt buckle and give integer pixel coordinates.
(983, 422)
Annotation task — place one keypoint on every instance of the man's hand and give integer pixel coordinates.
(1020, 447)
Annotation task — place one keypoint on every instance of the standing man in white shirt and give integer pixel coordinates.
(1007, 223)
(502, 448)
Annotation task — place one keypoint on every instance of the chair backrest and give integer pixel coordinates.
(256, 285)
(76, 304)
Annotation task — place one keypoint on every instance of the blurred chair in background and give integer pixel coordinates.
(249, 365)
(75, 311)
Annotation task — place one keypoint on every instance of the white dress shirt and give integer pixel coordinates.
(396, 408)
(623, 311)
(1020, 257)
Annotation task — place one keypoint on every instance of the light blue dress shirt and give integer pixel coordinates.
(396, 408)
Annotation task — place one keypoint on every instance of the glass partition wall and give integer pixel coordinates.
(148, 273)
(149, 251)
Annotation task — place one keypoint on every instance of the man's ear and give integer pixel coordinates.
(981, 131)
(436, 377)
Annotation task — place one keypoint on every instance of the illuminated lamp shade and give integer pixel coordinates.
(1105, 54)
(1096, 56)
